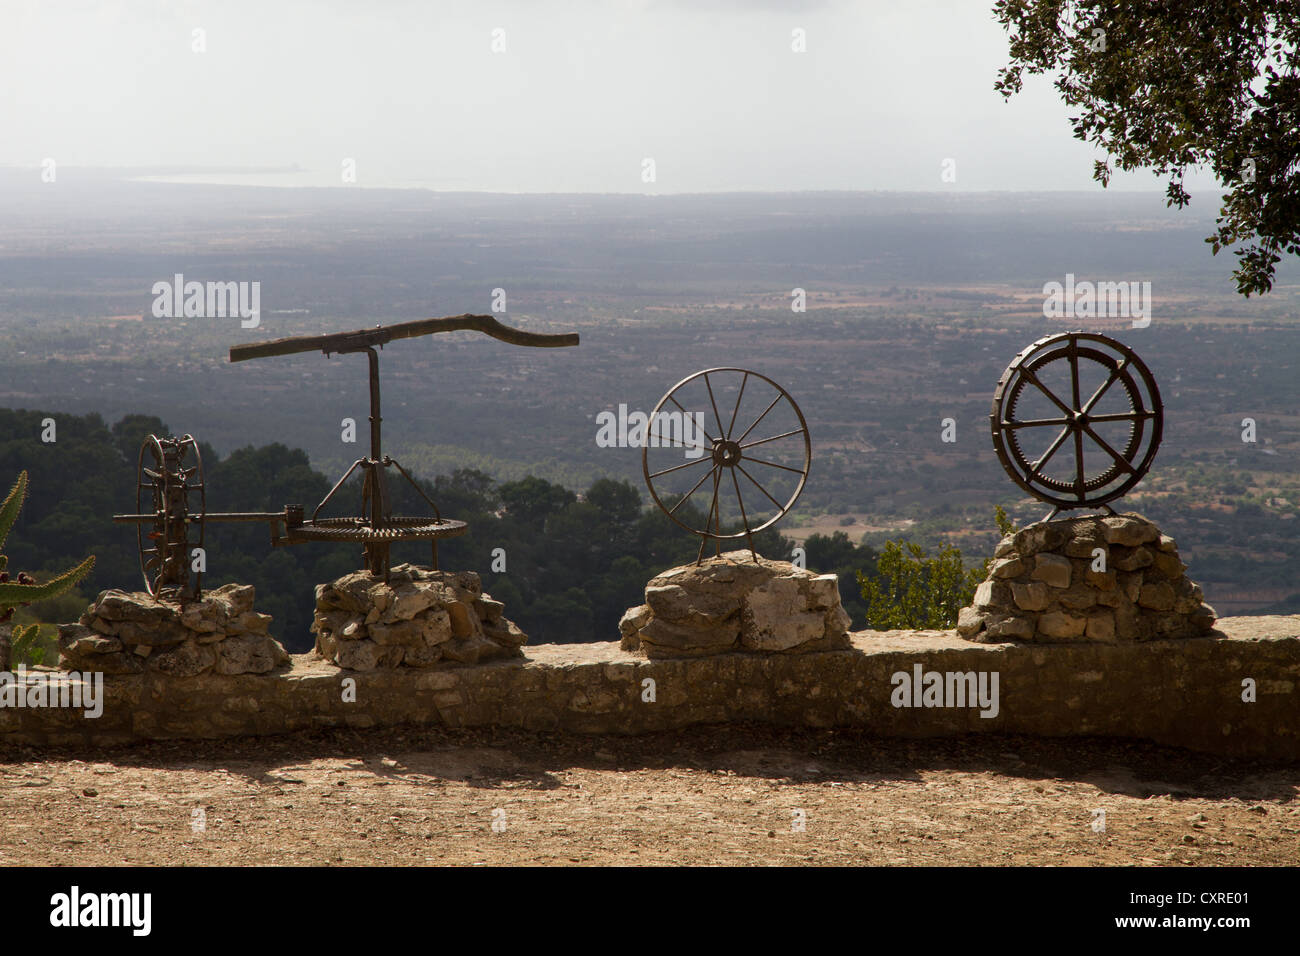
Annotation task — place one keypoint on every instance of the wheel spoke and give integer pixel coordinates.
(772, 464)
(1033, 380)
(1120, 460)
(1078, 463)
(739, 500)
(714, 402)
(759, 419)
(736, 411)
(682, 501)
(1121, 417)
(1038, 466)
(714, 517)
(758, 486)
(699, 461)
(1110, 380)
(671, 443)
(667, 441)
(763, 441)
(1074, 371)
(685, 412)
(1036, 422)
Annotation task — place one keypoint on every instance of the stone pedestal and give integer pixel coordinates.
(130, 632)
(1099, 579)
(731, 603)
(420, 618)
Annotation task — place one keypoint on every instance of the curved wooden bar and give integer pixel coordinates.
(382, 334)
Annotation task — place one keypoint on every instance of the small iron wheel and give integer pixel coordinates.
(737, 436)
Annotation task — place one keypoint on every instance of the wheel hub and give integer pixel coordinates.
(727, 453)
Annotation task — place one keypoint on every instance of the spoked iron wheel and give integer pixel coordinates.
(1077, 420)
(726, 454)
(174, 493)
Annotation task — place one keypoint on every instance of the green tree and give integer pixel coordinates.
(910, 590)
(532, 500)
(915, 591)
(1175, 84)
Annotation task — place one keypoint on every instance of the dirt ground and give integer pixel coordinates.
(732, 796)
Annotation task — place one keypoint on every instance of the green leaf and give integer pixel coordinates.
(12, 505)
(13, 594)
(23, 648)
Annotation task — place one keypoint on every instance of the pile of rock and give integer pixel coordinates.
(420, 618)
(1099, 579)
(733, 603)
(130, 632)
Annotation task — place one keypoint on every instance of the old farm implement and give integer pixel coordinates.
(1076, 420)
(171, 492)
(711, 441)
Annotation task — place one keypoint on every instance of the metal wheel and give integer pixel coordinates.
(175, 494)
(1076, 420)
(737, 436)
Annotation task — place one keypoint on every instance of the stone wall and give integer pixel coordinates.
(130, 632)
(1185, 692)
(1104, 579)
(415, 618)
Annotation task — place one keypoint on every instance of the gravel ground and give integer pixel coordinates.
(733, 795)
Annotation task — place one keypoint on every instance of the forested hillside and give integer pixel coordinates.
(573, 562)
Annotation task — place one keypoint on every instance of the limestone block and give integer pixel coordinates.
(776, 617)
(1009, 627)
(1101, 626)
(1129, 530)
(633, 619)
(187, 659)
(1010, 567)
(1078, 597)
(1158, 596)
(1031, 597)
(1053, 569)
(735, 603)
(1134, 560)
(1061, 626)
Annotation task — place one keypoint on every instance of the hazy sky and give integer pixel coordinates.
(583, 93)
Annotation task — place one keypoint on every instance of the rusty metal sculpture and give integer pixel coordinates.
(682, 433)
(166, 485)
(1097, 402)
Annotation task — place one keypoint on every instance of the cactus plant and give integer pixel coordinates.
(23, 590)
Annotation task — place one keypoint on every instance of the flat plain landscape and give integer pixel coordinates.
(914, 305)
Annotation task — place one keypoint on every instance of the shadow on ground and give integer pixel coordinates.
(514, 759)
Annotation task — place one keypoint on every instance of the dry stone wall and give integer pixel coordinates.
(418, 618)
(132, 632)
(1101, 579)
(1235, 694)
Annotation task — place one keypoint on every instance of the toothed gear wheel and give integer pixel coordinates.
(1105, 466)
